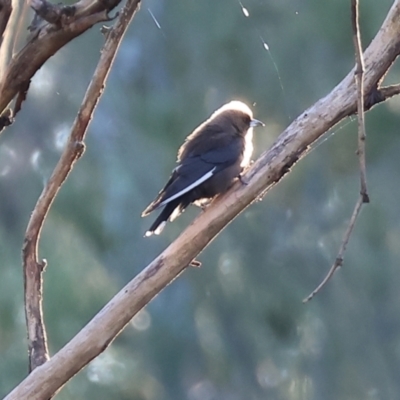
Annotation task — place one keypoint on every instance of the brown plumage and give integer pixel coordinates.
(209, 162)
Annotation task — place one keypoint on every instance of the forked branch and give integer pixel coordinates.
(292, 144)
(33, 266)
(66, 23)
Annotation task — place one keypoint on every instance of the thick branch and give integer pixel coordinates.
(291, 145)
(33, 267)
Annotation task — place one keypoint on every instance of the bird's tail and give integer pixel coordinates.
(159, 223)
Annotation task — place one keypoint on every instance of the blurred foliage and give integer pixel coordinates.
(235, 328)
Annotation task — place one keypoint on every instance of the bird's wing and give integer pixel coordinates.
(224, 155)
(187, 175)
(205, 140)
(193, 171)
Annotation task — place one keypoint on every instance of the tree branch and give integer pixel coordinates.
(292, 144)
(47, 39)
(363, 197)
(382, 94)
(33, 268)
(359, 75)
(339, 258)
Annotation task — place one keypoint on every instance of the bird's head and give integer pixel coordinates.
(236, 115)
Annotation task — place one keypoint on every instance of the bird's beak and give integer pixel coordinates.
(256, 122)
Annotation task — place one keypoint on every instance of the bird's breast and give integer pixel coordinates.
(248, 149)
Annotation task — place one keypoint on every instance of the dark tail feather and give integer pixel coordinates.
(159, 223)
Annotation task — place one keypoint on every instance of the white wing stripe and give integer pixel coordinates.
(199, 181)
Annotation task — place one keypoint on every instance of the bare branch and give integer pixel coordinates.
(339, 259)
(33, 268)
(382, 94)
(72, 21)
(292, 144)
(364, 198)
(359, 74)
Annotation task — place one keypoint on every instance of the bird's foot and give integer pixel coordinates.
(242, 180)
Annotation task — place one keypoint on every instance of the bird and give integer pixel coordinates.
(209, 161)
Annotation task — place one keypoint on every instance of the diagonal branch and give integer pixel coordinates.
(33, 267)
(269, 169)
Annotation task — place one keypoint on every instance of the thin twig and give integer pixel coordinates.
(364, 198)
(339, 258)
(73, 151)
(359, 77)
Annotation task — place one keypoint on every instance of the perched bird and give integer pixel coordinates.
(209, 162)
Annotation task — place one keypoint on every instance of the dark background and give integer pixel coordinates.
(236, 328)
